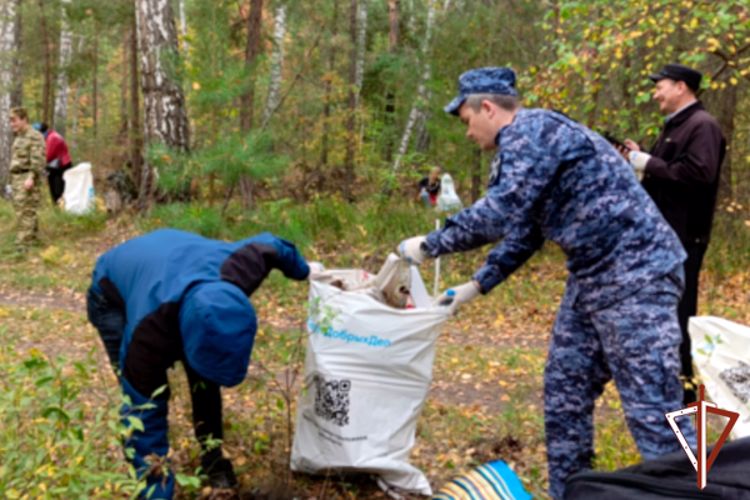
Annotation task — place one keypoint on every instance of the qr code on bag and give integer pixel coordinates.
(738, 380)
(332, 400)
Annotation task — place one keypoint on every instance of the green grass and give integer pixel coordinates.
(729, 250)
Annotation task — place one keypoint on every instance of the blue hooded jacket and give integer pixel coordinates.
(171, 279)
(184, 297)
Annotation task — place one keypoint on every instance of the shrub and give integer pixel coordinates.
(54, 444)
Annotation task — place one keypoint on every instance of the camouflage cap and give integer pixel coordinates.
(489, 80)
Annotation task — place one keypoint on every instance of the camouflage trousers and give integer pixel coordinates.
(636, 343)
(26, 204)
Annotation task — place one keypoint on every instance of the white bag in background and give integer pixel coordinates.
(78, 197)
(448, 198)
(368, 368)
(721, 351)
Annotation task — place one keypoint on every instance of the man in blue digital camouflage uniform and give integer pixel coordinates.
(175, 296)
(553, 178)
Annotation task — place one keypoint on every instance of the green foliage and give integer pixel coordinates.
(215, 71)
(174, 168)
(330, 222)
(189, 217)
(54, 446)
(60, 222)
(237, 154)
(729, 252)
(602, 52)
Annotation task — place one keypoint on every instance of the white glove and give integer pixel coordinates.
(458, 295)
(411, 250)
(639, 159)
(315, 269)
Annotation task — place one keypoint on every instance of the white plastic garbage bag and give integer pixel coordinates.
(368, 368)
(721, 351)
(78, 197)
(448, 199)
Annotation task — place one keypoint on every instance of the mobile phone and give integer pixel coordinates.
(614, 141)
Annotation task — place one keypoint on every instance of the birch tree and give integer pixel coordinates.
(327, 99)
(183, 27)
(135, 127)
(361, 47)
(358, 35)
(44, 34)
(66, 49)
(8, 47)
(164, 102)
(277, 63)
(418, 107)
(390, 96)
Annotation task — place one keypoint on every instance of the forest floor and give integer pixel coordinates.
(486, 396)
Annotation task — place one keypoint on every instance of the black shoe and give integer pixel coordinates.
(219, 471)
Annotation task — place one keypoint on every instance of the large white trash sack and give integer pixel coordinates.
(721, 351)
(78, 197)
(448, 199)
(368, 368)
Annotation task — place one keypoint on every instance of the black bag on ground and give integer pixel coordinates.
(671, 476)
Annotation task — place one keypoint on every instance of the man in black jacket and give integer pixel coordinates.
(681, 173)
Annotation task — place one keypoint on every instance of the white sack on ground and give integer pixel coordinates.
(448, 199)
(721, 352)
(78, 197)
(368, 368)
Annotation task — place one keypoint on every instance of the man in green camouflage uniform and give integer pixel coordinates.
(26, 169)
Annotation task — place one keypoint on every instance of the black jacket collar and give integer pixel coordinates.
(686, 113)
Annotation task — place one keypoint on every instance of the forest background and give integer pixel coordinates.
(316, 119)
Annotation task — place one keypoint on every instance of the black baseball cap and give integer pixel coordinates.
(679, 73)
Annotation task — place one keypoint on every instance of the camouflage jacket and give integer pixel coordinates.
(555, 179)
(28, 153)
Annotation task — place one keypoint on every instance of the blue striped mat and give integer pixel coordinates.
(491, 481)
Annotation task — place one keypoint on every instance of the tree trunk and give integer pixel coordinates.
(47, 47)
(247, 102)
(123, 133)
(95, 82)
(164, 102)
(723, 105)
(361, 46)
(135, 126)
(328, 90)
(252, 49)
(16, 95)
(66, 47)
(390, 96)
(183, 27)
(422, 91)
(411, 18)
(351, 119)
(277, 63)
(74, 105)
(8, 46)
